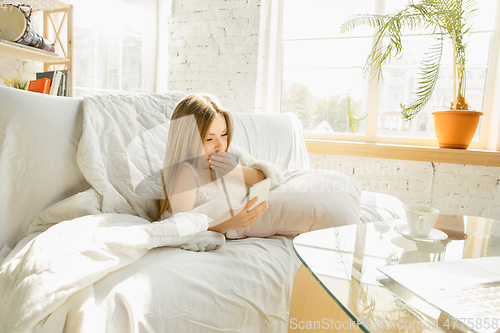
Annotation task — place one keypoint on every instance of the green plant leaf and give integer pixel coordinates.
(428, 76)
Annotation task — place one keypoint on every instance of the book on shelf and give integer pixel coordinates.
(61, 81)
(56, 82)
(40, 86)
(66, 84)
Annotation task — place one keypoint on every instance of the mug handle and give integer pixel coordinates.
(421, 221)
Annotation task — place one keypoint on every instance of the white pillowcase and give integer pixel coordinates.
(39, 135)
(275, 138)
(308, 200)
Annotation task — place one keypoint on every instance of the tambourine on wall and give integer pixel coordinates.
(51, 44)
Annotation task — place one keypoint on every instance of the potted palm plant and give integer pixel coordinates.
(446, 20)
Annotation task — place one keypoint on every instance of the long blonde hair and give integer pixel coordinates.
(183, 143)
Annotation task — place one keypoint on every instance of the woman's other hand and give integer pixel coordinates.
(243, 217)
(223, 162)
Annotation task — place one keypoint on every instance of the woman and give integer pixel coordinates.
(189, 173)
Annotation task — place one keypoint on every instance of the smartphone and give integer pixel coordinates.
(260, 190)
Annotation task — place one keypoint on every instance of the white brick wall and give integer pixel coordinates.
(214, 47)
(25, 70)
(451, 188)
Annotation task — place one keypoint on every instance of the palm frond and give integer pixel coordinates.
(374, 21)
(429, 73)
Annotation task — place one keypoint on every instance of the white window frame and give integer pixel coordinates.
(149, 51)
(490, 129)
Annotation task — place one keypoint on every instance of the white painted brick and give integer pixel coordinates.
(10, 62)
(254, 21)
(481, 181)
(198, 68)
(173, 52)
(192, 59)
(194, 50)
(223, 14)
(446, 168)
(221, 76)
(234, 31)
(181, 17)
(191, 3)
(196, 16)
(243, 68)
(177, 77)
(199, 42)
(239, 40)
(418, 184)
(209, 16)
(445, 178)
(178, 60)
(236, 76)
(225, 5)
(244, 13)
(199, 7)
(253, 39)
(218, 31)
(242, 22)
(223, 67)
(177, 34)
(231, 22)
(481, 193)
(479, 171)
(175, 43)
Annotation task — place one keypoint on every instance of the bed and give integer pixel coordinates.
(123, 277)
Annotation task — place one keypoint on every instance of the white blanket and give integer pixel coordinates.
(76, 242)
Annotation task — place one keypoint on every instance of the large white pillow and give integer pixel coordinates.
(307, 200)
(275, 138)
(38, 142)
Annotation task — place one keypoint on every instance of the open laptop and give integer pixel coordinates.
(467, 289)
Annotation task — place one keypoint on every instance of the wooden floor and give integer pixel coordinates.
(313, 310)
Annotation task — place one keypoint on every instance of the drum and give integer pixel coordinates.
(15, 26)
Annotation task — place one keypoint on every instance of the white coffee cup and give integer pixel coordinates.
(420, 220)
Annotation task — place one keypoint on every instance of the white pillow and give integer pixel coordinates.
(275, 138)
(38, 142)
(308, 200)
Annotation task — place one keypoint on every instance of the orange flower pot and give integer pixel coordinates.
(455, 129)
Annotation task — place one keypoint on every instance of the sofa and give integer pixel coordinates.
(74, 259)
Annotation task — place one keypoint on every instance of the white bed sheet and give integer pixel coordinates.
(245, 286)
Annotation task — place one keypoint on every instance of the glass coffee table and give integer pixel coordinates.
(344, 262)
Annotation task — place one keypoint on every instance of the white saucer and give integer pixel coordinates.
(435, 234)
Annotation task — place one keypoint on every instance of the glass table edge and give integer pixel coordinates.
(325, 288)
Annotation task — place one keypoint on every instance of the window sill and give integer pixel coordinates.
(402, 152)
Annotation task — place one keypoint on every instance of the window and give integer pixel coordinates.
(319, 74)
(114, 46)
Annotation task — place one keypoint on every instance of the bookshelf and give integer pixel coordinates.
(49, 25)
